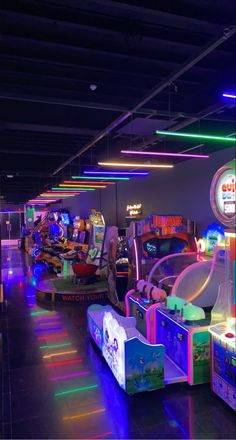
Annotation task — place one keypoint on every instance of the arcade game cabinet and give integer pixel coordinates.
(154, 238)
(223, 322)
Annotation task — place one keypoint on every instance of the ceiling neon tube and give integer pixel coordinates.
(229, 95)
(118, 173)
(100, 177)
(49, 347)
(74, 185)
(58, 364)
(155, 153)
(130, 165)
(90, 413)
(80, 182)
(75, 390)
(71, 189)
(60, 335)
(196, 136)
(70, 376)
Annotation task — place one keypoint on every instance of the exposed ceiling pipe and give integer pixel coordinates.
(227, 33)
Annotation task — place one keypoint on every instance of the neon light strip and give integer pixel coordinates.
(196, 136)
(90, 413)
(60, 335)
(54, 346)
(100, 177)
(70, 376)
(71, 189)
(155, 153)
(88, 182)
(131, 164)
(45, 312)
(229, 95)
(75, 390)
(74, 185)
(62, 353)
(136, 260)
(117, 173)
(58, 364)
(102, 435)
(47, 329)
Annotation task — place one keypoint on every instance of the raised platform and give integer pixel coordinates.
(63, 290)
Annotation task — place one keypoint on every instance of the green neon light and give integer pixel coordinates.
(73, 189)
(100, 178)
(75, 390)
(55, 346)
(197, 136)
(39, 313)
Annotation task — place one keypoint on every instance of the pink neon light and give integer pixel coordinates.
(152, 338)
(155, 153)
(127, 309)
(136, 260)
(69, 376)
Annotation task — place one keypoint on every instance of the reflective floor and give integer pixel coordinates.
(55, 384)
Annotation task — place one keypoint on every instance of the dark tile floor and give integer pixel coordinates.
(74, 395)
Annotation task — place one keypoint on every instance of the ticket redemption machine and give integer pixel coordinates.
(223, 319)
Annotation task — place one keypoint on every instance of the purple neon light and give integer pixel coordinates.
(47, 329)
(229, 95)
(68, 376)
(117, 173)
(155, 153)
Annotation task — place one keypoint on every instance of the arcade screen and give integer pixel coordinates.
(65, 219)
(159, 248)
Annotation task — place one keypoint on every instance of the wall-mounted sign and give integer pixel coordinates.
(134, 210)
(223, 190)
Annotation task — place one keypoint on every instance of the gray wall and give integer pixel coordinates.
(182, 190)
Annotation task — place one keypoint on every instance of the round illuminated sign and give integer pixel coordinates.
(222, 194)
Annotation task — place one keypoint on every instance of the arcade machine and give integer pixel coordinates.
(97, 253)
(182, 322)
(223, 322)
(213, 236)
(154, 238)
(118, 265)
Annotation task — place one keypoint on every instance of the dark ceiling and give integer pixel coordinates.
(163, 61)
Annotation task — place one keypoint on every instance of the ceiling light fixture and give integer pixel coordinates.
(69, 182)
(155, 153)
(62, 185)
(196, 136)
(134, 165)
(118, 173)
(71, 189)
(101, 177)
(229, 95)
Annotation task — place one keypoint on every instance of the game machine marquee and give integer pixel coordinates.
(223, 318)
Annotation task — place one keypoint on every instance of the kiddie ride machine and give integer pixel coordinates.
(151, 239)
(177, 327)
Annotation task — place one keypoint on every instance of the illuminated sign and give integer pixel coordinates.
(223, 191)
(134, 210)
